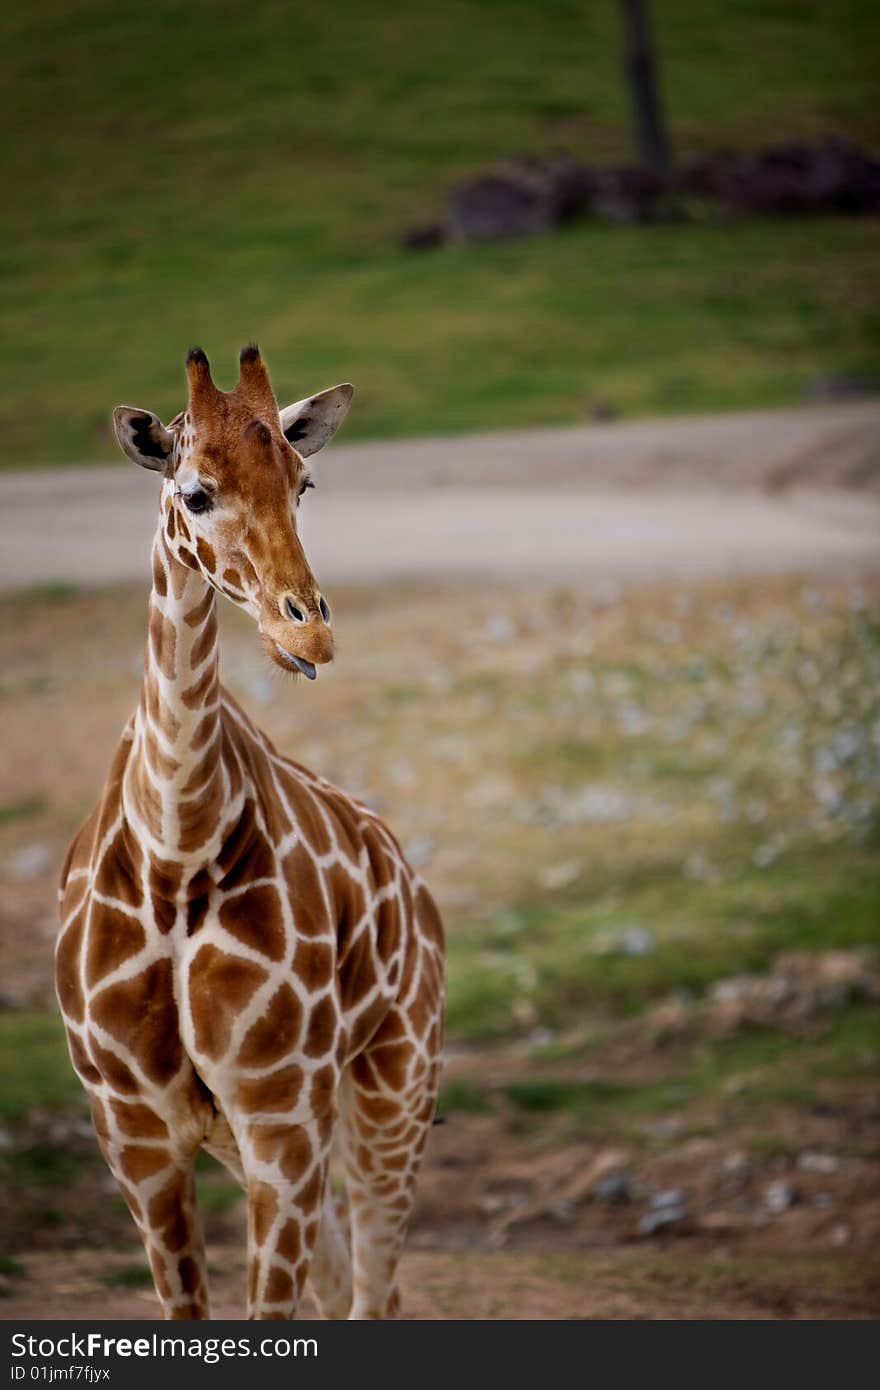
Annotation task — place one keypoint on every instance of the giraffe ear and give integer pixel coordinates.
(310, 424)
(143, 437)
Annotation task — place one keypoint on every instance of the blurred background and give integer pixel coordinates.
(601, 538)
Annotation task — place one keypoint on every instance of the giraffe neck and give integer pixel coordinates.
(178, 792)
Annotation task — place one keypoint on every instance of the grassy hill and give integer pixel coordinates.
(212, 172)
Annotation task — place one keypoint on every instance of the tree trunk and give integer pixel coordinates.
(650, 131)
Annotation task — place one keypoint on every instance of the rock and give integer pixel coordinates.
(666, 1211)
(424, 238)
(780, 180)
(654, 1221)
(419, 850)
(665, 1128)
(634, 941)
(582, 1183)
(765, 855)
(601, 805)
(818, 1163)
(528, 195)
(499, 628)
(601, 411)
(779, 1196)
(671, 1017)
(736, 1163)
(615, 1190)
(695, 867)
(840, 386)
(801, 986)
(733, 1173)
(628, 196)
(669, 1197)
(562, 875)
(29, 861)
(525, 196)
(632, 720)
(555, 1192)
(563, 1212)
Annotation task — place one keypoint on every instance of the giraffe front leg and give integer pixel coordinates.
(158, 1185)
(330, 1269)
(286, 1171)
(175, 1249)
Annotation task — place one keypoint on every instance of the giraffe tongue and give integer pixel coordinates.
(299, 662)
(305, 666)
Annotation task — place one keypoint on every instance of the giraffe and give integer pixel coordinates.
(246, 962)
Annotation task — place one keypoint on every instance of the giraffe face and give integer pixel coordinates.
(234, 475)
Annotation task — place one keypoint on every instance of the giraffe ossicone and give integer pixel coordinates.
(246, 962)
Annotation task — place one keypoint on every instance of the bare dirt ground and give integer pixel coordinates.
(767, 492)
(523, 1285)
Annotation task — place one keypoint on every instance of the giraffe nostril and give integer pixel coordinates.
(293, 612)
(325, 609)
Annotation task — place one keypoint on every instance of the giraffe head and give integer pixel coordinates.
(234, 472)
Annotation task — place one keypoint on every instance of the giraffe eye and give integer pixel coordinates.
(197, 501)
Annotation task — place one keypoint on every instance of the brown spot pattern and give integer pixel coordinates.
(139, 1163)
(321, 1029)
(276, 1034)
(163, 642)
(220, 986)
(137, 1120)
(168, 1215)
(141, 1014)
(206, 554)
(67, 968)
(254, 918)
(204, 643)
(271, 1095)
(196, 616)
(313, 964)
(114, 938)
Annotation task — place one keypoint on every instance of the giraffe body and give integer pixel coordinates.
(246, 963)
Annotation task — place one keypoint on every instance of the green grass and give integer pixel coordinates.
(542, 1094)
(35, 1069)
(751, 1075)
(463, 1096)
(133, 1276)
(563, 965)
(218, 1191)
(24, 809)
(213, 172)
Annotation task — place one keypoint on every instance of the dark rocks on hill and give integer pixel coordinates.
(424, 237)
(788, 179)
(522, 197)
(841, 386)
(531, 195)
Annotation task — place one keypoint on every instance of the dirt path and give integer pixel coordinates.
(780, 491)
(517, 1284)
